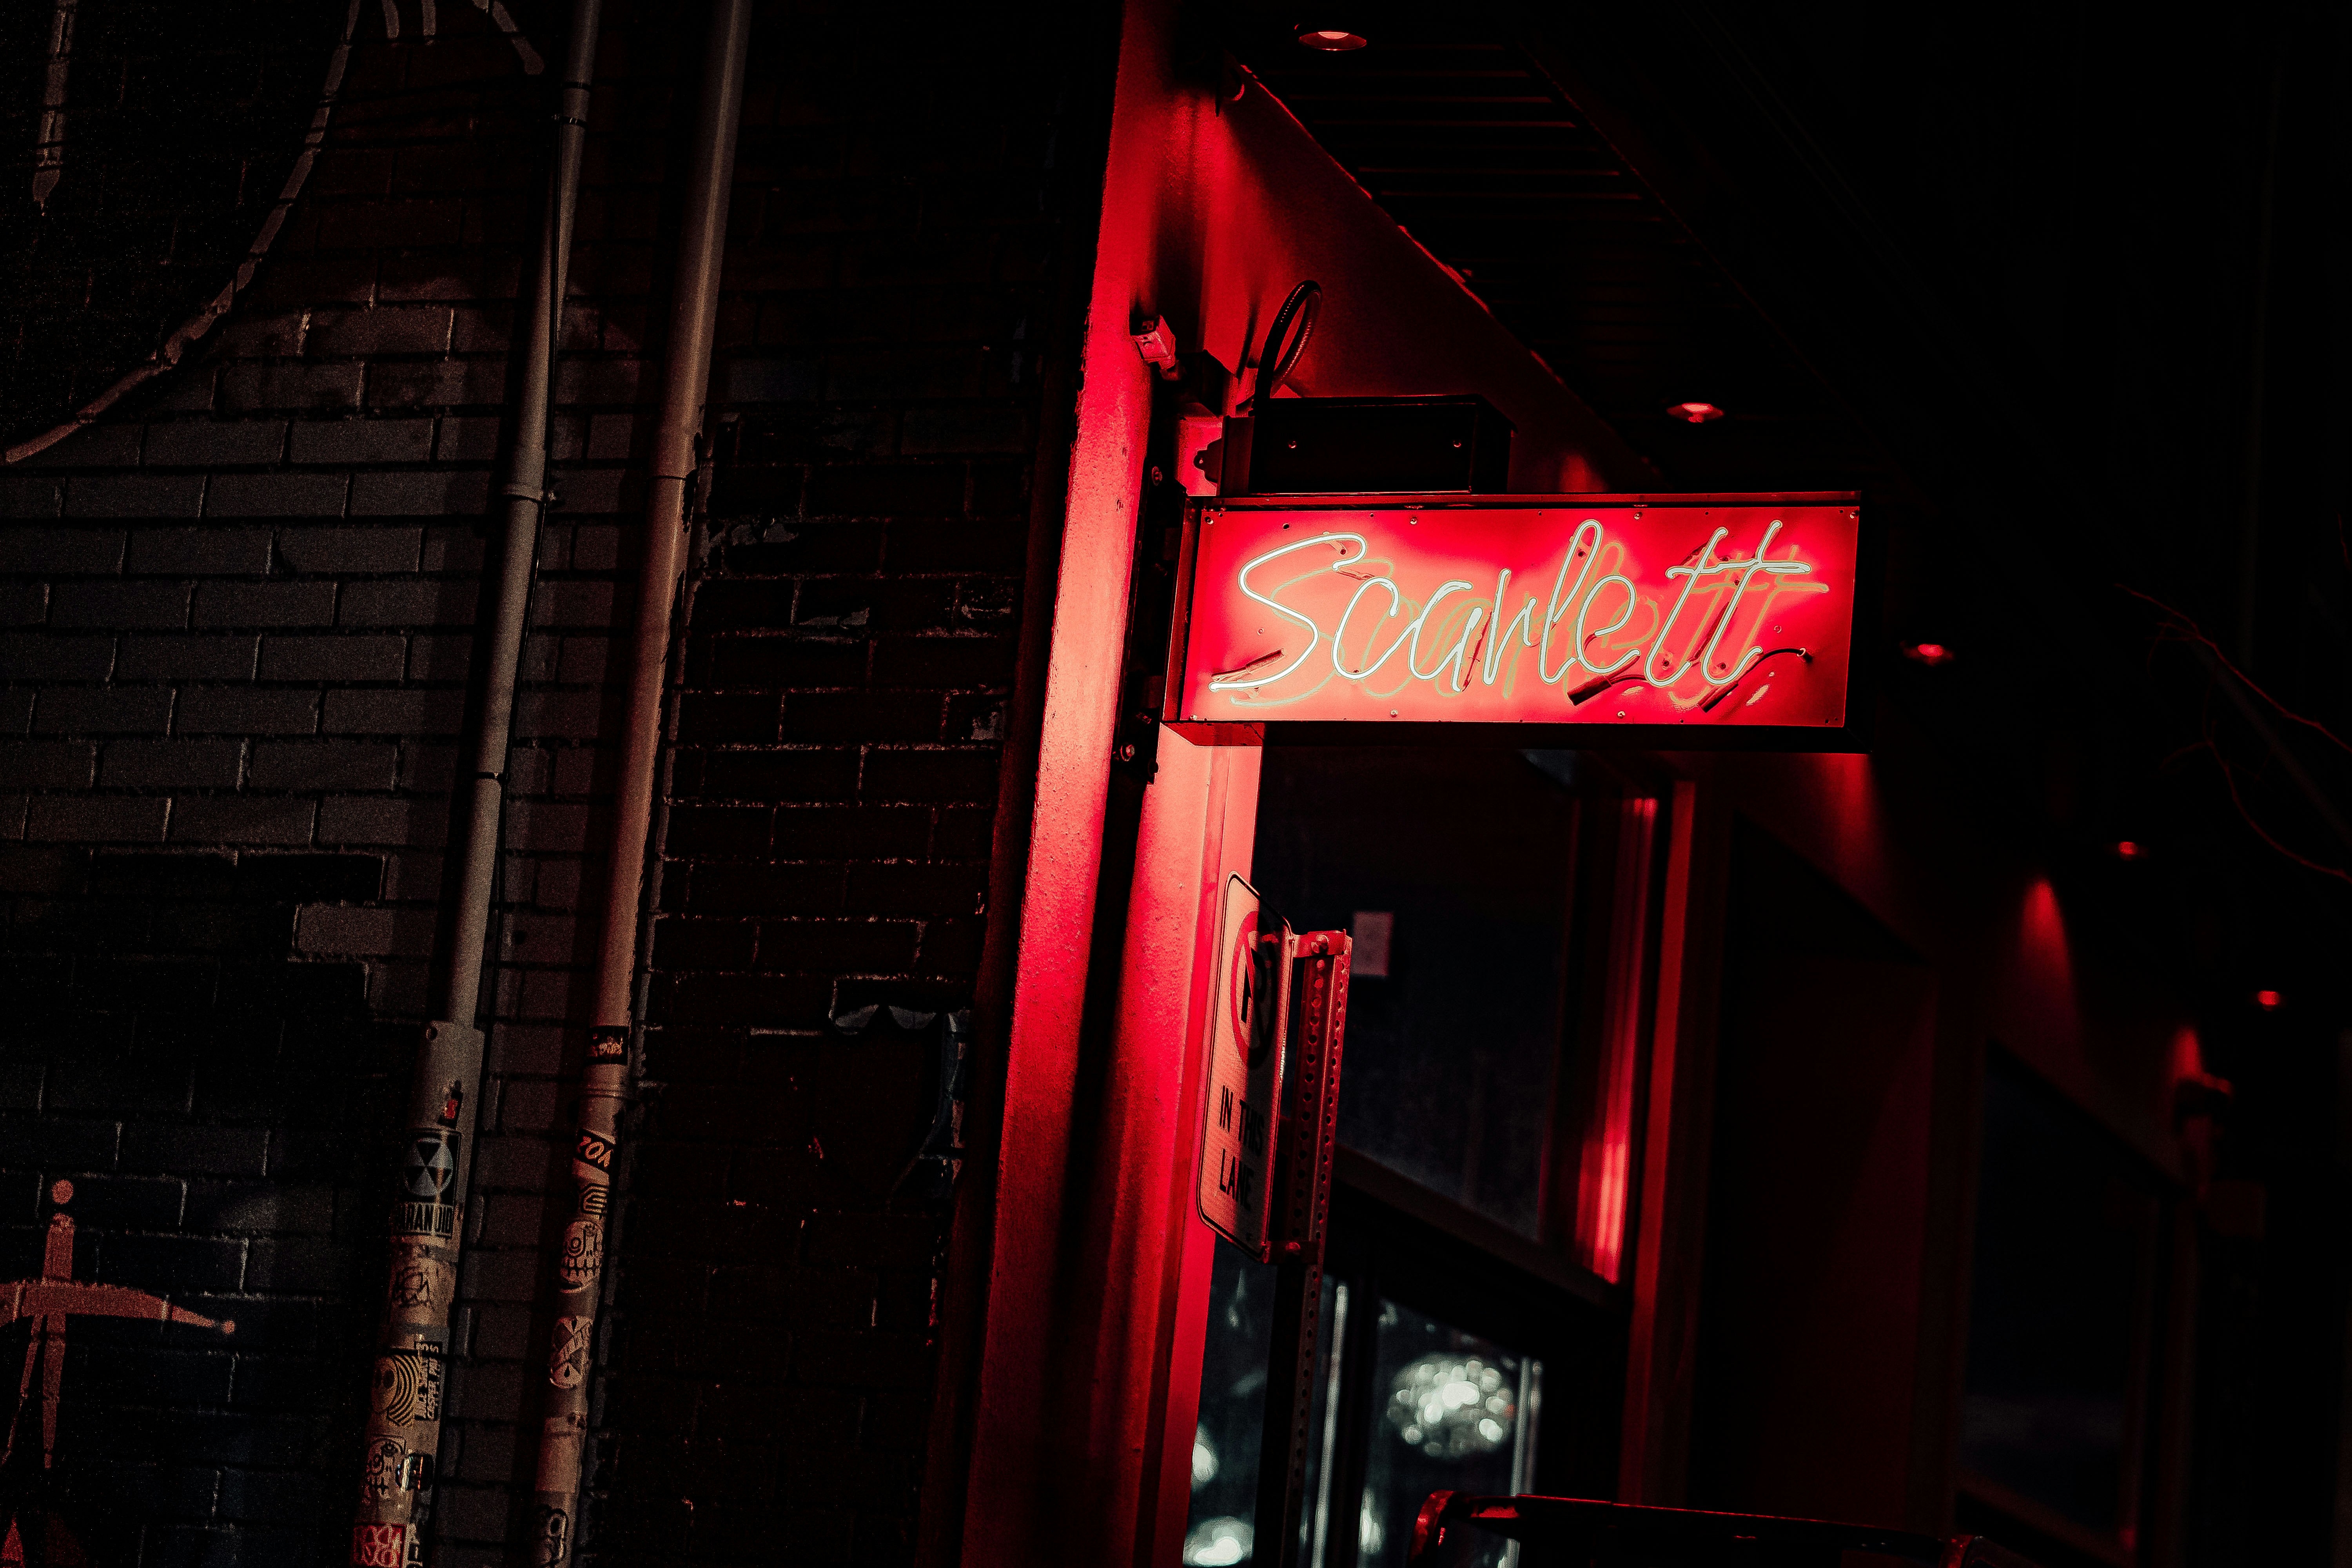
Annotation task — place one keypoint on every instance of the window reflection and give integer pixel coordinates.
(1457, 868)
(1219, 1528)
(1453, 1412)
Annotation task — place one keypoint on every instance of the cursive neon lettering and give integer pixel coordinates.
(1746, 661)
(1454, 657)
(1522, 624)
(1313, 634)
(1669, 604)
(1591, 553)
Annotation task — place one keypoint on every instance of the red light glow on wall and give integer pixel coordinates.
(1561, 611)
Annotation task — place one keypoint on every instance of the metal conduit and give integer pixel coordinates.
(578, 1280)
(407, 1395)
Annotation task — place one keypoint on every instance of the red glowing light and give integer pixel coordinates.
(2268, 1001)
(1930, 653)
(1367, 610)
(2127, 850)
(1693, 413)
(1332, 38)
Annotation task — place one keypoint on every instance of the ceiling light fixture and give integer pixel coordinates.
(1693, 413)
(2128, 849)
(2268, 1001)
(1930, 653)
(1332, 40)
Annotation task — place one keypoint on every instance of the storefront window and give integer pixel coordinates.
(1455, 869)
(2062, 1313)
(1222, 1526)
(1498, 899)
(1456, 1413)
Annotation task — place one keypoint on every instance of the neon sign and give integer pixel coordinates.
(1701, 612)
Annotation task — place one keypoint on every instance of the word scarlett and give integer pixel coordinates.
(1712, 617)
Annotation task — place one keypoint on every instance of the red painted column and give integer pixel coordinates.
(1032, 1486)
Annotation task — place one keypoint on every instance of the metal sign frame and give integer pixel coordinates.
(1853, 634)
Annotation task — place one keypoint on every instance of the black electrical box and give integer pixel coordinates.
(1368, 446)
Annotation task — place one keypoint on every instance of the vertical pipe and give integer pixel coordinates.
(408, 1392)
(685, 378)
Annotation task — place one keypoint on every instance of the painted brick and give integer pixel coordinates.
(265, 605)
(31, 498)
(66, 819)
(189, 657)
(393, 712)
(930, 777)
(119, 605)
(233, 710)
(435, 384)
(66, 550)
(277, 495)
(24, 604)
(922, 545)
(568, 715)
(50, 764)
(332, 659)
(590, 489)
(946, 663)
(560, 603)
(301, 388)
(323, 765)
(440, 658)
(334, 929)
(540, 825)
(316, 549)
(98, 711)
(212, 1151)
(469, 440)
(100, 445)
(231, 819)
(852, 716)
(146, 764)
(351, 442)
(200, 552)
(375, 819)
(204, 443)
(838, 947)
(439, 492)
(135, 495)
(780, 776)
(36, 656)
(406, 329)
(901, 888)
(964, 428)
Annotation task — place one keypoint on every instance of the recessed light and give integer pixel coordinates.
(1693, 413)
(2268, 1001)
(1333, 39)
(1930, 653)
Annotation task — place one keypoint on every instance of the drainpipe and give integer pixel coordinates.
(407, 1395)
(577, 1285)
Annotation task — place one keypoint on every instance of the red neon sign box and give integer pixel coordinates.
(1721, 617)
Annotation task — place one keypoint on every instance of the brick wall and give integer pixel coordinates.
(238, 617)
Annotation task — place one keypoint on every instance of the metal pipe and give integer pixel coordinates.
(407, 1396)
(686, 379)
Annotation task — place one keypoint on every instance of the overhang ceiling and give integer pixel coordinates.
(1475, 150)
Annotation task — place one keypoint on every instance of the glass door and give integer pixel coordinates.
(1473, 1328)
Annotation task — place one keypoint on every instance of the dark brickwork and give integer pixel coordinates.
(238, 615)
